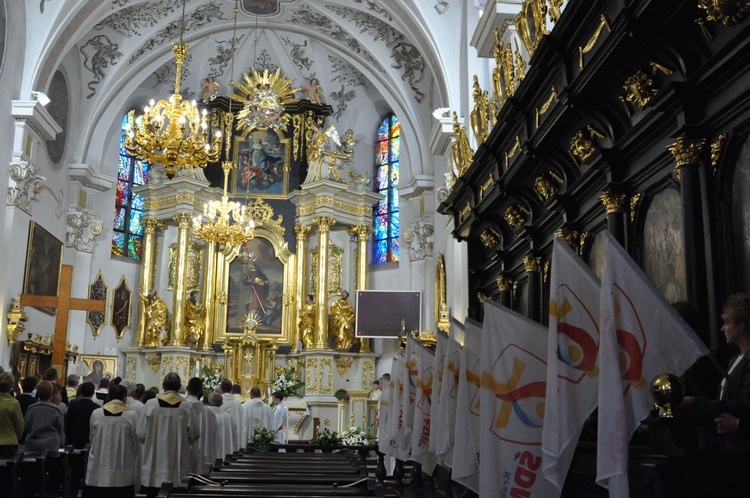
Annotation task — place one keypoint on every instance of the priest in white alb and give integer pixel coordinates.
(114, 461)
(166, 429)
(255, 414)
(233, 408)
(225, 427)
(204, 449)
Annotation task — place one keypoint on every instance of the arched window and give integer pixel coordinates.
(128, 232)
(386, 217)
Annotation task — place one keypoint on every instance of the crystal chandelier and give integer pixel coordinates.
(224, 221)
(173, 132)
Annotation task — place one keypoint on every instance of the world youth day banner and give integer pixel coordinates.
(512, 394)
(466, 439)
(445, 425)
(572, 354)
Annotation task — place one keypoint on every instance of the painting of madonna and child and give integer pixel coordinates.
(262, 164)
(256, 288)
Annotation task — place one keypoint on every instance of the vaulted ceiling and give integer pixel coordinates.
(365, 53)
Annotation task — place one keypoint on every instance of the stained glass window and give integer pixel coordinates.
(385, 216)
(128, 232)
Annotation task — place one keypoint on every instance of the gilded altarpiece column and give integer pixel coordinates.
(321, 290)
(302, 232)
(363, 275)
(209, 294)
(180, 284)
(149, 258)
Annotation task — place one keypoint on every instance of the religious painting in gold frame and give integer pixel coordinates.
(122, 305)
(263, 158)
(98, 367)
(97, 291)
(44, 256)
(259, 293)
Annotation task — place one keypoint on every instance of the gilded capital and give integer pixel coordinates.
(302, 230)
(686, 151)
(183, 220)
(570, 237)
(613, 203)
(324, 223)
(532, 263)
(504, 284)
(361, 231)
(150, 226)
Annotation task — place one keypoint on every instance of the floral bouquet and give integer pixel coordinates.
(210, 380)
(353, 436)
(286, 384)
(262, 437)
(327, 438)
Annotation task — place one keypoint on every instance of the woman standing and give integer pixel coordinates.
(44, 422)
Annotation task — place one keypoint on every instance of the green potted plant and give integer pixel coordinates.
(327, 440)
(262, 438)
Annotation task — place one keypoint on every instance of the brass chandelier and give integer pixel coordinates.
(223, 220)
(173, 132)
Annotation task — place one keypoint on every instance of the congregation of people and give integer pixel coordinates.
(138, 438)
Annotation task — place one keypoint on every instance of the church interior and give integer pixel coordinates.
(214, 188)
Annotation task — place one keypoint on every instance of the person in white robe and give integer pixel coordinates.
(280, 417)
(233, 408)
(255, 414)
(113, 461)
(225, 427)
(132, 403)
(203, 450)
(166, 428)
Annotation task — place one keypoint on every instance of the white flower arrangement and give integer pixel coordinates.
(286, 383)
(210, 380)
(353, 436)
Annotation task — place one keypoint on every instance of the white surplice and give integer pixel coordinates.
(225, 429)
(114, 455)
(165, 431)
(280, 421)
(234, 409)
(204, 449)
(134, 405)
(255, 414)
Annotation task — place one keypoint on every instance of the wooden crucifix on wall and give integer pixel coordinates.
(63, 303)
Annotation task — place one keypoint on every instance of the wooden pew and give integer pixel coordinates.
(303, 474)
(8, 474)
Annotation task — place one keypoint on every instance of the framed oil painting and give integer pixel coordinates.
(256, 288)
(98, 367)
(262, 157)
(44, 257)
(121, 307)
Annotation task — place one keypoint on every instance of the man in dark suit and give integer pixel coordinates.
(28, 384)
(77, 419)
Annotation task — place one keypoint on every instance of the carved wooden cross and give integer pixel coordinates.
(63, 303)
